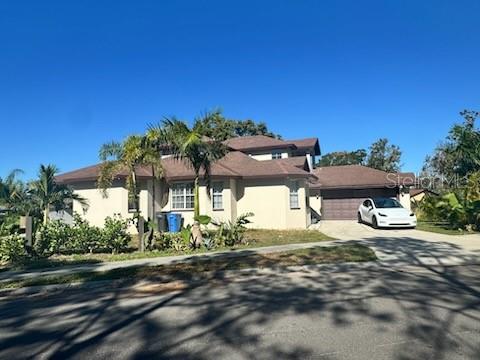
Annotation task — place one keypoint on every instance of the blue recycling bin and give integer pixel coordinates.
(174, 222)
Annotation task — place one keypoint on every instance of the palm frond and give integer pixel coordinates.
(110, 150)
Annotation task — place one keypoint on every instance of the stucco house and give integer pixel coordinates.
(268, 177)
(274, 179)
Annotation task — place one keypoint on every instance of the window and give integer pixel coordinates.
(133, 203)
(276, 155)
(217, 196)
(366, 203)
(386, 203)
(294, 195)
(182, 196)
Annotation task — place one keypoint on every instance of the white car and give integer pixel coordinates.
(385, 212)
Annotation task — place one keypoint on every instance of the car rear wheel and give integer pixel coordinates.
(374, 223)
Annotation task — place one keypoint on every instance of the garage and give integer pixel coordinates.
(343, 204)
(339, 190)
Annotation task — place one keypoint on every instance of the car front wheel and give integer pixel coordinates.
(374, 223)
(360, 221)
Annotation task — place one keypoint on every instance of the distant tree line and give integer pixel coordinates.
(381, 155)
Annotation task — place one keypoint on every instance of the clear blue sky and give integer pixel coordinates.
(76, 74)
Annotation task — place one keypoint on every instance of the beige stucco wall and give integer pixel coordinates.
(115, 203)
(206, 207)
(269, 201)
(315, 201)
(404, 198)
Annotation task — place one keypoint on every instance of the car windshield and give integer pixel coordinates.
(382, 203)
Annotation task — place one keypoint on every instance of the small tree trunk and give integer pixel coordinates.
(196, 200)
(197, 235)
(45, 215)
(196, 231)
(154, 205)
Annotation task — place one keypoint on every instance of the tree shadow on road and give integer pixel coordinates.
(286, 313)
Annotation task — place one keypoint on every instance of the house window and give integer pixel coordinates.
(182, 196)
(217, 196)
(294, 204)
(133, 204)
(276, 155)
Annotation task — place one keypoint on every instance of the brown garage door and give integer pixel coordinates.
(343, 204)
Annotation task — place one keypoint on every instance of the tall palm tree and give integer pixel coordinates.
(46, 193)
(189, 145)
(133, 152)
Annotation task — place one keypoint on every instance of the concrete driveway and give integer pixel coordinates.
(407, 246)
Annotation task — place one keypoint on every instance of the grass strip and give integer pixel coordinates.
(202, 265)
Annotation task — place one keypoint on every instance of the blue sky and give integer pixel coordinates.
(76, 74)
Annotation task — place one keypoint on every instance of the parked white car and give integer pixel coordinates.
(385, 212)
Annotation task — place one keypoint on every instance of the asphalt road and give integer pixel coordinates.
(330, 312)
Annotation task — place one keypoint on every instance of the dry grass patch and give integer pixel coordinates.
(200, 267)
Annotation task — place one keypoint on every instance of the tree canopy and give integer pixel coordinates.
(459, 153)
(382, 156)
(336, 158)
(216, 126)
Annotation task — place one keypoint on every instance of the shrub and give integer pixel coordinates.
(52, 238)
(114, 234)
(232, 233)
(84, 237)
(12, 248)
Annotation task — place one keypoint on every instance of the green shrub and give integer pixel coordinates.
(114, 234)
(12, 248)
(9, 224)
(52, 238)
(232, 233)
(84, 237)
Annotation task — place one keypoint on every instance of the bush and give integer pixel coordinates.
(84, 238)
(232, 233)
(52, 238)
(114, 234)
(12, 248)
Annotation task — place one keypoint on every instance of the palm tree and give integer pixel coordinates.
(199, 152)
(45, 193)
(10, 189)
(133, 152)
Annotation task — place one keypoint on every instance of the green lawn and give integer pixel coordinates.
(440, 228)
(254, 238)
(209, 267)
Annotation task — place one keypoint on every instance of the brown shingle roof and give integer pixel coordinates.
(357, 176)
(297, 161)
(235, 164)
(91, 173)
(308, 143)
(257, 142)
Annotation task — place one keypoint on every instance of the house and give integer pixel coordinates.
(418, 194)
(337, 191)
(274, 179)
(266, 176)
